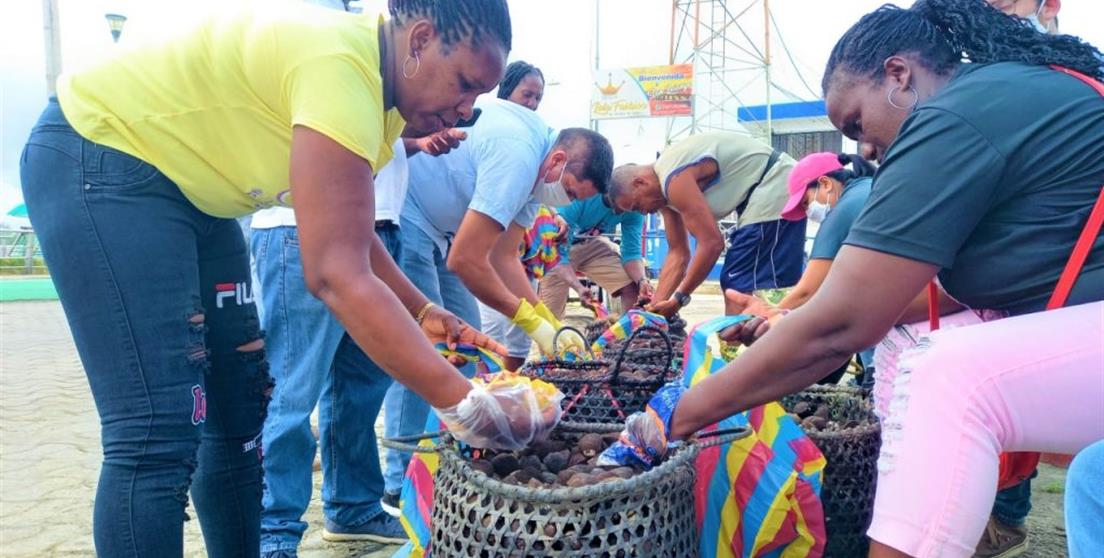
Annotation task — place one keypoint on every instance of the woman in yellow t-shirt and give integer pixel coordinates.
(132, 178)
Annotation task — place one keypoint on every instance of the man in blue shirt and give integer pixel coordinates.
(464, 217)
(620, 271)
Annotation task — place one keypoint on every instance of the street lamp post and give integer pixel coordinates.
(115, 22)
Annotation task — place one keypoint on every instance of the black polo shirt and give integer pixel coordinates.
(992, 179)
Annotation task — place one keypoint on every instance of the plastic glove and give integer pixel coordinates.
(644, 441)
(506, 412)
(568, 341)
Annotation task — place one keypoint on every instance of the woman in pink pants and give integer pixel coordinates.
(991, 169)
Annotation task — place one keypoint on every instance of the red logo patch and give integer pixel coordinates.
(199, 405)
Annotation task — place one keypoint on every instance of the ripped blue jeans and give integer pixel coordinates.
(157, 295)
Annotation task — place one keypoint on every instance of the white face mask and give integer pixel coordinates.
(817, 211)
(554, 194)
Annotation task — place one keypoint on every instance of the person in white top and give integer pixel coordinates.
(314, 362)
(465, 216)
(522, 84)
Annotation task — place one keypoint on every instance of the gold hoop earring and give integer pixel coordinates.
(417, 65)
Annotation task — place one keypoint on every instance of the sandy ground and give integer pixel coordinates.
(50, 451)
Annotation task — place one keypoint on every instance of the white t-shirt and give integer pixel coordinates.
(390, 185)
(493, 172)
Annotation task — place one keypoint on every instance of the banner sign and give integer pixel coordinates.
(643, 92)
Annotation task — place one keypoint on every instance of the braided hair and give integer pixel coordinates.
(944, 33)
(515, 72)
(457, 19)
(860, 168)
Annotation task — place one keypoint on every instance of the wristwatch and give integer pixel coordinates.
(682, 299)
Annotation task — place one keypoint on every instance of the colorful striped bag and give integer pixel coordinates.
(625, 327)
(760, 495)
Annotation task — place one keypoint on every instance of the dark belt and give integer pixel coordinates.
(386, 224)
(775, 154)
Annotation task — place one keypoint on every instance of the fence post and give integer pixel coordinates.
(28, 254)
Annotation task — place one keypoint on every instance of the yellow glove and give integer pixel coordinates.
(569, 341)
(536, 327)
(547, 314)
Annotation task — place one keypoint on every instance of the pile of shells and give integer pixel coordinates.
(814, 417)
(554, 463)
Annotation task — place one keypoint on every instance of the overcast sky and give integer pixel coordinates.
(557, 36)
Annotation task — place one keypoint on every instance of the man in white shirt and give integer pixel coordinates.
(314, 362)
(465, 216)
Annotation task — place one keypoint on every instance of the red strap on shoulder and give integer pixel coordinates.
(1091, 231)
(933, 305)
(1081, 249)
(1080, 253)
(1099, 87)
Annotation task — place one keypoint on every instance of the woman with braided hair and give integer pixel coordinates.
(992, 141)
(132, 178)
(523, 84)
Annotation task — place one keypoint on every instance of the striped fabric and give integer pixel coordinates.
(757, 496)
(624, 327)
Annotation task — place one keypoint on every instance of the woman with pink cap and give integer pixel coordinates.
(822, 188)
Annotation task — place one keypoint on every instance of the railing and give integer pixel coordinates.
(20, 253)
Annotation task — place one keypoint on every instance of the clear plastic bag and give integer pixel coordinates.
(504, 411)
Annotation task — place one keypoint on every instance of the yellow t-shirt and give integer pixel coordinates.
(213, 110)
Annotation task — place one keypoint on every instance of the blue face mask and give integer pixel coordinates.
(1033, 19)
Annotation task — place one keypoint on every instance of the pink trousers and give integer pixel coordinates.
(961, 397)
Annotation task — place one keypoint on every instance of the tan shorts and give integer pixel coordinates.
(599, 259)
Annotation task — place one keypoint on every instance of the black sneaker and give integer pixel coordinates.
(382, 529)
(390, 503)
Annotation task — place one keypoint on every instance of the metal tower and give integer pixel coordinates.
(728, 42)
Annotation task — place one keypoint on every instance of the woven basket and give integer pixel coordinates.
(648, 515)
(597, 391)
(676, 328)
(653, 351)
(850, 476)
(596, 328)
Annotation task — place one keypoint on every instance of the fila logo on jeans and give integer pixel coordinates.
(199, 405)
(238, 293)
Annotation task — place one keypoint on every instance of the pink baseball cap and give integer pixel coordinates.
(808, 169)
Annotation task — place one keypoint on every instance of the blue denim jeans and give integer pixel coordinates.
(314, 362)
(866, 380)
(405, 413)
(158, 298)
(1014, 503)
(1085, 502)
